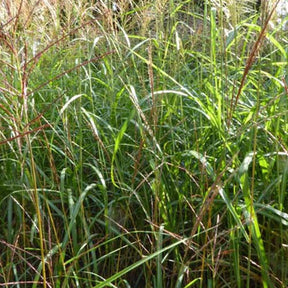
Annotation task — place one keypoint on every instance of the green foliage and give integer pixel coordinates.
(144, 149)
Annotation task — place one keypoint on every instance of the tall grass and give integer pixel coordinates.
(144, 147)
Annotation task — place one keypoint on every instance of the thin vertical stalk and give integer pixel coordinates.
(24, 87)
(38, 211)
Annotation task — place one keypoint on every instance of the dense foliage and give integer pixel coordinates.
(143, 144)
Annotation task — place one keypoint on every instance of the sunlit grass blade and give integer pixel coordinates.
(252, 219)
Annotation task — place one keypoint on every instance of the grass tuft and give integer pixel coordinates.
(143, 144)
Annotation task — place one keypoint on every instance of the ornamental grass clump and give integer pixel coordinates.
(143, 144)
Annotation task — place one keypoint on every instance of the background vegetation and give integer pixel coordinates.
(143, 144)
